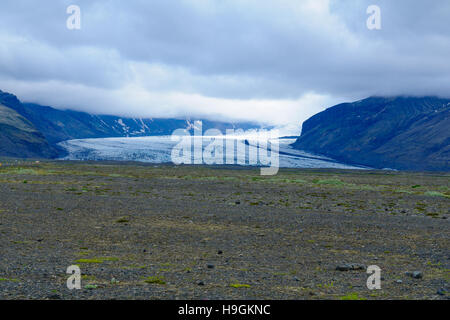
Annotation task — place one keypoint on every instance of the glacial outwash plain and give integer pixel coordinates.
(145, 231)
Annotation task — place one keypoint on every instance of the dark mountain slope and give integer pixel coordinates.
(19, 138)
(401, 132)
(59, 125)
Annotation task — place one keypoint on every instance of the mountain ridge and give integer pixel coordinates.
(405, 133)
(61, 125)
(19, 138)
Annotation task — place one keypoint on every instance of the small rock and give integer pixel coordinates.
(358, 266)
(200, 283)
(343, 267)
(441, 292)
(350, 266)
(296, 279)
(399, 281)
(415, 274)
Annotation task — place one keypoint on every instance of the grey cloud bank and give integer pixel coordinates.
(276, 61)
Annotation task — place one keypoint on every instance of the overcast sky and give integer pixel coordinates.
(277, 61)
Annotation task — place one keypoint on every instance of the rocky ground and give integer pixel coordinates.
(166, 232)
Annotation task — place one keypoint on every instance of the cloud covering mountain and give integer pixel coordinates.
(278, 61)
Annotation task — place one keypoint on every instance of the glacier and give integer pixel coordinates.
(158, 149)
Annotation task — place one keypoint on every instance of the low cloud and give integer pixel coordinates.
(277, 61)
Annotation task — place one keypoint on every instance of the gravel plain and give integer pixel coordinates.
(189, 232)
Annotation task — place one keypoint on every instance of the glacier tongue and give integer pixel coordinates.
(157, 149)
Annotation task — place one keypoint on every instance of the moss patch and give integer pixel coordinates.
(352, 296)
(239, 285)
(155, 280)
